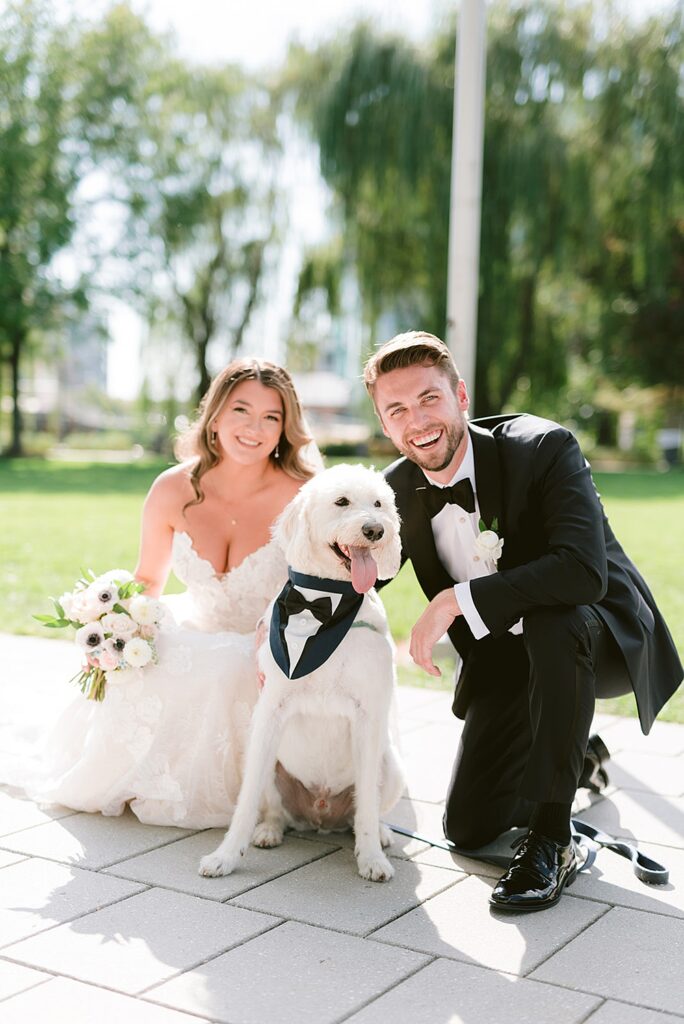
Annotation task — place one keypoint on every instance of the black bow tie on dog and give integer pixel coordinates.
(435, 498)
(294, 602)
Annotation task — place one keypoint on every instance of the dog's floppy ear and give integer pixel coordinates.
(285, 526)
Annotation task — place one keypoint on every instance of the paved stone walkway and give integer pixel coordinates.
(107, 920)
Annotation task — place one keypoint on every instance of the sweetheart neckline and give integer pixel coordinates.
(220, 576)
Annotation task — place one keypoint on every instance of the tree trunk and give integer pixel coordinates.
(202, 371)
(254, 265)
(522, 363)
(15, 447)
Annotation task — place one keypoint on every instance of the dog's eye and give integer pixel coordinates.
(378, 504)
(342, 501)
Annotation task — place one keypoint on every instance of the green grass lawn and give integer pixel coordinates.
(60, 518)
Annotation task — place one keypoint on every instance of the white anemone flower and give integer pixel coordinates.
(115, 645)
(89, 636)
(146, 610)
(137, 652)
(105, 595)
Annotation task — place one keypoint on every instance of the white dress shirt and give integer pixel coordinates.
(455, 532)
(301, 627)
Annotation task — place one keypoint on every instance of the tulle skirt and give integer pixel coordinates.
(168, 740)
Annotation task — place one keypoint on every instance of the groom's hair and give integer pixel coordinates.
(413, 348)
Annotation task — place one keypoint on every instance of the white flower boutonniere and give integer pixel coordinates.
(488, 543)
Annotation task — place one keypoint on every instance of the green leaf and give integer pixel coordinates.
(495, 525)
(44, 618)
(57, 624)
(482, 526)
(58, 607)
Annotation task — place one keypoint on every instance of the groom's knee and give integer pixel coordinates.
(466, 826)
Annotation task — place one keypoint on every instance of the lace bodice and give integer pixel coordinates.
(234, 600)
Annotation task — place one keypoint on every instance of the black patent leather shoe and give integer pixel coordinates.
(537, 875)
(594, 776)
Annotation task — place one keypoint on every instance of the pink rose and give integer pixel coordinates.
(108, 661)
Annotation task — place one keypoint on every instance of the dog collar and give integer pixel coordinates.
(306, 630)
(300, 579)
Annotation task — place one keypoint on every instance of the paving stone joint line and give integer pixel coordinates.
(571, 938)
(640, 812)
(613, 999)
(380, 995)
(85, 913)
(213, 956)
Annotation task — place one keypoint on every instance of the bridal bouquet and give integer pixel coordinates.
(116, 626)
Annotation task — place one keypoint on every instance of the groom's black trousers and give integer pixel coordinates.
(527, 724)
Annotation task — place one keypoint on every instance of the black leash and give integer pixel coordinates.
(645, 868)
(589, 838)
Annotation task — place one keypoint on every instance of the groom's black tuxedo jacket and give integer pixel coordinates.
(558, 549)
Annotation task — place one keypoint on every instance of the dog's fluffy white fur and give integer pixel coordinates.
(328, 731)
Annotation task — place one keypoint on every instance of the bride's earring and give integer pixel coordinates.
(212, 437)
(276, 453)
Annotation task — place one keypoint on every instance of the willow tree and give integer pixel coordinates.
(638, 139)
(381, 112)
(190, 150)
(381, 119)
(40, 164)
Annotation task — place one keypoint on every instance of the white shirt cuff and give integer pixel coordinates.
(470, 612)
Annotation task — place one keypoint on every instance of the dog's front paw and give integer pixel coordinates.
(215, 864)
(375, 867)
(267, 834)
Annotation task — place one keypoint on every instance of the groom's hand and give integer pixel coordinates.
(432, 625)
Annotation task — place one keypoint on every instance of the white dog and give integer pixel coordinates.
(324, 724)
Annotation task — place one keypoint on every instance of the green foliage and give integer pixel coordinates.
(40, 167)
(192, 150)
(95, 512)
(321, 271)
(581, 238)
(639, 135)
(183, 154)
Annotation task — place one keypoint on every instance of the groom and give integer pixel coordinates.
(545, 622)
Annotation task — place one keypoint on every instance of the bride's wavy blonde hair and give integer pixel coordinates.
(199, 441)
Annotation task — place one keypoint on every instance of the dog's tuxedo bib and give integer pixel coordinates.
(311, 617)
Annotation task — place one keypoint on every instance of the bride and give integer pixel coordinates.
(168, 740)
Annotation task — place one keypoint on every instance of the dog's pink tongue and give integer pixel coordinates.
(364, 571)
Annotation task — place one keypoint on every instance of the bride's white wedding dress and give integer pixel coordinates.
(169, 739)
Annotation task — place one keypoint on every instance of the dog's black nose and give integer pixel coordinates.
(373, 531)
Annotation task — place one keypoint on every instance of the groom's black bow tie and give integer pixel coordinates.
(294, 602)
(435, 498)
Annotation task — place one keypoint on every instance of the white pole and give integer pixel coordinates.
(466, 187)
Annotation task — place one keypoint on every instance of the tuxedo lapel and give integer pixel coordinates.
(311, 630)
(487, 477)
(420, 541)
